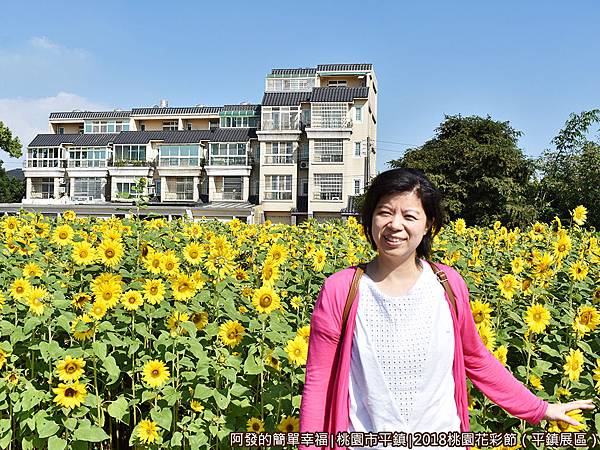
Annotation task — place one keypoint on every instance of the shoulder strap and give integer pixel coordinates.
(443, 279)
(360, 269)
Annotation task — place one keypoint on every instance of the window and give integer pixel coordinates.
(304, 187)
(88, 188)
(127, 190)
(328, 186)
(299, 84)
(357, 149)
(126, 153)
(239, 122)
(106, 126)
(87, 157)
(330, 115)
(357, 186)
(179, 155)
(306, 117)
(329, 150)
(280, 118)
(61, 130)
(170, 125)
(44, 157)
(80, 129)
(143, 127)
(279, 153)
(42, 188)
(184, 188)
(228, 154)
(304, 151)
(278, 187)
(358, 113)
(189, 126)
(337, 83)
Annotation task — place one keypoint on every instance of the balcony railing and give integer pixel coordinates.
(52, 163)
(279, 159)
(227, 196)
(278, 195)
(174, 161)
(228, 161)
(281, 125)
(131, 163)
(85, 163)
(330, 122)
(41, 195)
(328, 158)
(178, 196)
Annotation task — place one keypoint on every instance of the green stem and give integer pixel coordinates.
(529, 351)
(262, 363)
(98, 422)
(133, 368)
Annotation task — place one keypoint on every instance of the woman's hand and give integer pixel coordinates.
(558, 411)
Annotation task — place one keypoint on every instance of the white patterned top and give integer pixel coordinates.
(402, 354)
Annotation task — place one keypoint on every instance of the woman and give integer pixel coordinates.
(410, 342)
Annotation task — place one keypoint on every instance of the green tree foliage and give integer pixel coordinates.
(11, 189)
(479, 168)
(571, 172)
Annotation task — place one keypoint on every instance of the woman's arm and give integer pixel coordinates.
(323, 341)
(490, 376)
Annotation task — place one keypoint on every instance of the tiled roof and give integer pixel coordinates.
(343, 67)
(91, 115)
(79, 140)
(233, 134)
(338, 94)
(298, 71)
(169, 137)
(285, 98)
(241, 107)
(175, 111)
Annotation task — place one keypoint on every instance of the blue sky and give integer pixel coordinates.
(531, 63)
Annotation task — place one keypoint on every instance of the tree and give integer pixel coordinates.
(11, 189)
(481, 172)
(570, 174)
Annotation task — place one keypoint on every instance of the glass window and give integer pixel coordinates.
(88, 188)
(329, 150)
(228, 154)
(357, 148)
(279, 153)
(358, 113)
(278, 187)
(327, 186)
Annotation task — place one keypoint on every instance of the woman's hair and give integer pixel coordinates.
(405, 181)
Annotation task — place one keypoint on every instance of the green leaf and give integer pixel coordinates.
(163, 417)
(202, 392)
(30, 398)
(118, 408)
(56, 443)
(221, 400)
(46, 428)
(250, 366)
(113, 370)
(89, 433)
(99, 349)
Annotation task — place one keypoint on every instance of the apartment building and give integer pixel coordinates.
(302, 152)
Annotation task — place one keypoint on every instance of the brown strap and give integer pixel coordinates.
(360, 269)
(441, 275)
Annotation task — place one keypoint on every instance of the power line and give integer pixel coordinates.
(395, 142)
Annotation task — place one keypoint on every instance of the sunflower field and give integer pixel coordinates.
(148, 333)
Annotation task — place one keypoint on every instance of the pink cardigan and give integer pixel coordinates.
(325, 400)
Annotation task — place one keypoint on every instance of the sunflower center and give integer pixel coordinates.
(289, 428)
(561, 247)
(232, 334)
(268, 273)
(62, 235)
(131, 300)
(564, 426)
(153, 290)
(478, 317)
(169, 266)
(183, 287)
(20, 289)
(83, 253)
(107, 295)
(256, 426)
(585, 318)
(265, 301)
(70, 368)
(70, 392)
(297, 352)
(155, 263)
(193, 254)
(537, 317)
(109, 252)
(155, 373)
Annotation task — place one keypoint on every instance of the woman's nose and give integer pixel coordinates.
(397, 222)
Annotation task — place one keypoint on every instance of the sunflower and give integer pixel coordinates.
(596, 296)
(289, 424)
(63, 235)
(587, 320)
(83, 253)
(296, 301)
(536, 382)
(579, 215)
(319, 260)
(132, 300)
(110, 252)
(193, 231)
(108, 292)
(98, 309)
(297, 350)
(147, 431)
(174, 322)
(231, 333)
(219, 265)
(200, 319)
(266, 300)
(80, 300)
(537, 318)
(488, 337)
(153, 262)
(460, 226)
(169, 263)
(32, 270)
(595, 377)
(304, 332)
(558, 426)
(20, 288)
(255, 425)
(70, 395)
(517, 265)
(70, 369)
(2, 299)
(541, 264)
(155, 373)
(3, 357)
(241, 274)
(481, 312)
(82, 327)
(574, 364)
(277, 254)
(11, 224)
(508, 285)
(579, 270)
(562, 246)
(183, 287)
(196, 406)
(193, 253)
(34, 300)
(154, 291)
(270, 272)
(501, 354)
(271, 360)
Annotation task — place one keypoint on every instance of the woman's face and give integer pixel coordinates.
(398, 226)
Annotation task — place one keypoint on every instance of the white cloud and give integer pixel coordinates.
(27, 117)
(44, 43)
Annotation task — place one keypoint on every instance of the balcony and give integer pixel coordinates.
(131, 163)
(45, 164)
(279, 159)
(228, 161)
(330, 122)
(86, 163)
(180, 161)
(281, 125)
(218, 196)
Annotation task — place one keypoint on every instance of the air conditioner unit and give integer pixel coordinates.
(335, 198)
(304, 164)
